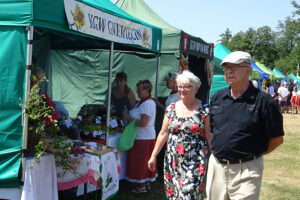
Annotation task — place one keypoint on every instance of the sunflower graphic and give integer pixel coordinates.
(78, 16)
(146, 38)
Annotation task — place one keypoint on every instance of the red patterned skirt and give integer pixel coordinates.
(137, 162)
(294, 100)
(298, 101)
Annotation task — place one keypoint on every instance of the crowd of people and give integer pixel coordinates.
(225, 140)
(286, 95)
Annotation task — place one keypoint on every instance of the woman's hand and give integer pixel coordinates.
(152, 164)
(127, 117)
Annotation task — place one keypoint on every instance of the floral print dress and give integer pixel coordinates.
(186, 155)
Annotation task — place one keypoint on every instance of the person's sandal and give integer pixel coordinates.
(138, 190)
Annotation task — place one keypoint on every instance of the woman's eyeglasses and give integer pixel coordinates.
(186, 87)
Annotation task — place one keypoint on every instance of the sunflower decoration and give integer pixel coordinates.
(78, 16)
(145, 37)
(184, 62)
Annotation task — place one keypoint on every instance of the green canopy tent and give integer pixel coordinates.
(177, 47)
(273, 76)
(292, 76)
(218, 83)
(23, 21)
(220, 52)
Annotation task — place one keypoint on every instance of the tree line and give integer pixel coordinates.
(278, 48)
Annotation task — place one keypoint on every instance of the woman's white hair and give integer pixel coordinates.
(188, 77)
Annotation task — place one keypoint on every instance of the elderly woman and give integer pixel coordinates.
(185, 127)
(122, 96)
(171, 84)
(144, 113)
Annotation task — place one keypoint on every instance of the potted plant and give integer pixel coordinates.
(43, 131)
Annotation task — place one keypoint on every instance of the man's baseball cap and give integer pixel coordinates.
(237, 57)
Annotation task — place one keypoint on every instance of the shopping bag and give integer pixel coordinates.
(127, 138)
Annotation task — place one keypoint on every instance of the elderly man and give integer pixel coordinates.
(246, 124)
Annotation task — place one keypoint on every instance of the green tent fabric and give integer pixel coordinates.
(255, 74)
(139, 9)
(292, 76)
(220, 52)
(173, 38)
(48, 19)
(51, 15)
(218, 83)
(273, 76)
(80, 77)
(12, 70)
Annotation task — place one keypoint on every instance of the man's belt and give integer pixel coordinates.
(236, 161)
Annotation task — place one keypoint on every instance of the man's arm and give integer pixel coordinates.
(273, 143)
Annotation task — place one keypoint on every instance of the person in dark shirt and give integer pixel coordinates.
(245, 123)
(122, 96)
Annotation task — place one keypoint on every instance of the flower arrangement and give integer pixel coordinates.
(43, 131)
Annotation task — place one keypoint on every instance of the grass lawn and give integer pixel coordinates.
(281, 178)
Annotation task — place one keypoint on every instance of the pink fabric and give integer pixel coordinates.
(75, 182)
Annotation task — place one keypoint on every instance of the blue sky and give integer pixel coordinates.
(209, 18)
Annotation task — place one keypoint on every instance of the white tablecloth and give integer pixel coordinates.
(113, 142)
(40, 181)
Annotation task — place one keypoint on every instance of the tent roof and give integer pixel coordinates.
(173, 38)
(273, 76)
(49, 17)
(292, 76)
(220, 52)
(276, 71)
(263, 74)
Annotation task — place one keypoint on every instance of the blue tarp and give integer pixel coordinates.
(276, 71)
(263, 75)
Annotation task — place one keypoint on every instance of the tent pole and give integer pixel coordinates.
(111, 61)
(157, 75)
(27, 90)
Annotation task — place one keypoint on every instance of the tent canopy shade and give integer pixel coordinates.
(174, 39)
(263, 74)
(51, 17)
(292, 76)
(276, 71)
(220, 52)
(48, 19)
(273, 76)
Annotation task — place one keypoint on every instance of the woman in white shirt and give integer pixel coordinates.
(294, 100)
(144, 112)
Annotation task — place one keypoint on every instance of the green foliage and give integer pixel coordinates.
(91, 128)
(42, 125)
(278, 49)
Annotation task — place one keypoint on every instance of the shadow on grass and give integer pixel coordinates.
(157, 190)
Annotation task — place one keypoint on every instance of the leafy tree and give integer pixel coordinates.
(288, 36)
(226, 37)
(280, 49)
(265, 50)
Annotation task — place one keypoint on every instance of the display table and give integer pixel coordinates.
(40, 180)
(99, 171)
(43, 180)
(122, 155)
(113, 142)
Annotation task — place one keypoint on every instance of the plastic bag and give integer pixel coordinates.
(127, 138)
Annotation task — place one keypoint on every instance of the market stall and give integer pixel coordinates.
(24, 27)
(179, 49)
